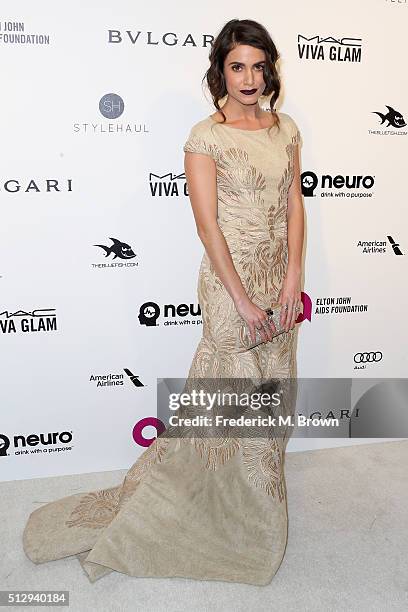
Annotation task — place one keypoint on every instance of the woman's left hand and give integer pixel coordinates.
(290, 294)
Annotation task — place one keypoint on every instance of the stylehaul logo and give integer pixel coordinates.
(111, 106)
(337, 186)
(38, 320)
(174, 314)
(168, 185)
(117, 250)
(345, 49)
(33, 444)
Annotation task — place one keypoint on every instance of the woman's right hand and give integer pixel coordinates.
(255, 317)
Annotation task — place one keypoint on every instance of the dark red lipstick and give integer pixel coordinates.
(248, 92)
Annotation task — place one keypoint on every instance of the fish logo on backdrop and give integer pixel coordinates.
(344, 49)
(393, 119)
(37, 320)
(180, 314)
(120, 250)
(111, 106)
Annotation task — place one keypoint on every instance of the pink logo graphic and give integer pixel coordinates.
(139, 427)
(307, 308)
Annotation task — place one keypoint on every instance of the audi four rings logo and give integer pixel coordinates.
(372, 356)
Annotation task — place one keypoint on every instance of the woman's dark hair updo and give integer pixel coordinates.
(242, 32)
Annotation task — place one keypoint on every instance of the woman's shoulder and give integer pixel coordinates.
(290, 125)
(201, 127)
(200, 139)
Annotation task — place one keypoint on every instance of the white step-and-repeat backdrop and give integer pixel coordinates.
(99, 253)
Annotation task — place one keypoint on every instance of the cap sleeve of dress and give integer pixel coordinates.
(200, 140)
(295, 134)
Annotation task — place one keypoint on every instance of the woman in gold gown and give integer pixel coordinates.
(194, 506)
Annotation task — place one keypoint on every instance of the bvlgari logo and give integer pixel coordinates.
(169, 39)
(36, 185)
(344, 49)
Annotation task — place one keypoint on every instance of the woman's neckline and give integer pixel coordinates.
(241, 129)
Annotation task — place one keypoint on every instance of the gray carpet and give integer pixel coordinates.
(347, 548)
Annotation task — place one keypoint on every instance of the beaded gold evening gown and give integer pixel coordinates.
(204, 508)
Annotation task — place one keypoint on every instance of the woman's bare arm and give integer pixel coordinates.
(200, 171)
(295, 218)
(291, 293)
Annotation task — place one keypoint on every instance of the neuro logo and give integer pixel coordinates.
(395, 246)
(135, 379)
(393, 117)
(173, 314)
(336, 183)
(309, 182)
(111, 106)
(118, 248)
(137, 433)
(4, 445)
(23, 445)
(149, 313)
